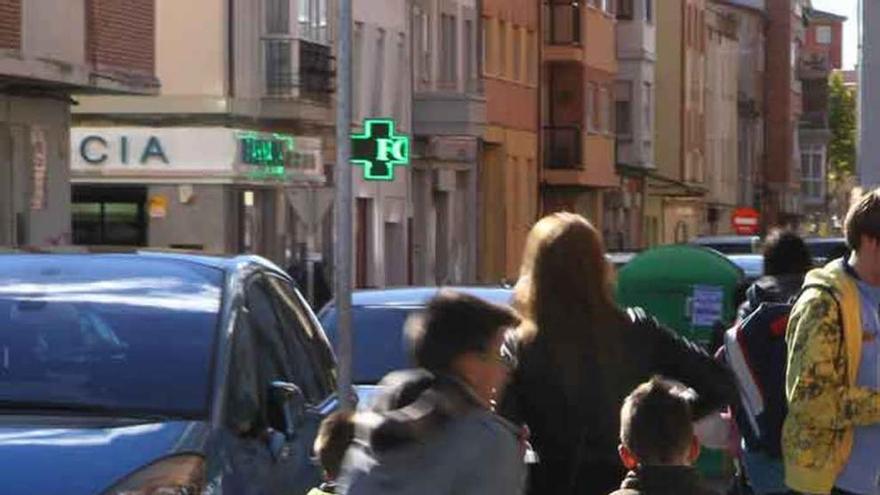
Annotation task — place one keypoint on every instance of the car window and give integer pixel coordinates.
(305, 338)
(290, 360)
(92, 333)
(246, 392)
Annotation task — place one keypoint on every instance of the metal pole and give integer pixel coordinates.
(343, 205)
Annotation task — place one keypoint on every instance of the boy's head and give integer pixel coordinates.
(334, 436)
(785, 253)
(656, 426)
(462, 335)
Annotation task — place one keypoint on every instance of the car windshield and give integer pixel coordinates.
(117, 335)
(378, 340)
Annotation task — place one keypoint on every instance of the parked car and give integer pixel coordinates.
(149, 373)
(378, 317)
(732, 244)
(751, 264)
(824, 249)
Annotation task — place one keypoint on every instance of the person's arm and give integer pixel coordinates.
(816, 375)
(687, 362)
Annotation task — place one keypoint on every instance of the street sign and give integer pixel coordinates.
(379, 149)
(746, 221)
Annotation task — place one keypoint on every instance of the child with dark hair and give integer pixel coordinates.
(433, 431)
(334, 437)
(658, 444)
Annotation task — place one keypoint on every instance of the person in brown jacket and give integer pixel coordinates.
(580, 355)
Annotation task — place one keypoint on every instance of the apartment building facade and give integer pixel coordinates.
(822, 54)
(780, 188)
(448, 115)
(509, 160)
(579, 70)
(101, 47)
(675, 204)
(634, 123)
(722, 129)
(229, 156)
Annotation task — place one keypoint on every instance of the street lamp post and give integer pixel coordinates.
(343, 206)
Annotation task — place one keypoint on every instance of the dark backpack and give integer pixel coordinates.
(756, 352)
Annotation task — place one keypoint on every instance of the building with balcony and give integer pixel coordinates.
(229, 156)
(449, 117)
(634, 122)
(101, 47)
(675, 203)
(751, 20)
(722, 126)
(780, 189)
(508, 178)
(381, 88)
(579, 68)
(822, 54)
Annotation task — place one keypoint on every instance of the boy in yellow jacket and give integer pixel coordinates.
(831, 436)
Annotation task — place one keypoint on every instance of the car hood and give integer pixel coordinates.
(85, 456)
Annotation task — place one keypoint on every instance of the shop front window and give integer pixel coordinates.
(109, 217)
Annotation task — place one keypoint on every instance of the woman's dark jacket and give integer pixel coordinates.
(575, 420)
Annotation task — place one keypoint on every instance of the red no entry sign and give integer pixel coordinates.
(746, 221)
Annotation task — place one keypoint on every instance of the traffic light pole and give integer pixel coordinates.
(342, 211)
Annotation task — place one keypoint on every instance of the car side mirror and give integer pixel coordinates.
(287, 407)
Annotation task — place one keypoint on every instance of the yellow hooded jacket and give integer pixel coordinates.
(824, 403)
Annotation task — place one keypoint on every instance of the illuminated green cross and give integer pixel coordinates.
(379, 149)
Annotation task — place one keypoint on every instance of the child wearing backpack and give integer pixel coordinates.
(755, 349)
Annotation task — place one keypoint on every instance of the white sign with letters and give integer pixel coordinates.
(707, 305)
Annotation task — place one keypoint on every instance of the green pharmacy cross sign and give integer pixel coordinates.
(379, 149)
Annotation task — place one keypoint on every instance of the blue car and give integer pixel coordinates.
(378, 317)
(150, 373)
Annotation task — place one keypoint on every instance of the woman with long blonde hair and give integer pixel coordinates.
(580, 355)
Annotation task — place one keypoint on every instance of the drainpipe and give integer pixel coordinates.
(539, 157)
(474, 183)
(230, 47)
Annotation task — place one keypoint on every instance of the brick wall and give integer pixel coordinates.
(10, 24)
(121, 34)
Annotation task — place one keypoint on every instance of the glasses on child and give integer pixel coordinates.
(505, 358)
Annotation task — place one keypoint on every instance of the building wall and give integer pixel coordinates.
(781, 174)
(637, 55)
(834, 49)
(27, 126)
(65, 41)
(752, 73)
(669, 126)
(203, 221)
(10, 24)
(694, 134)
(121, 34)
(383, 64)
(177, 48)
(722, 121)
(508, 178)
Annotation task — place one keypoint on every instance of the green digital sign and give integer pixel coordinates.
(269, 154)
(379, 150)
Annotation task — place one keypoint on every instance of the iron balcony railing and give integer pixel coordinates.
(563, 147)
(314, 77)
